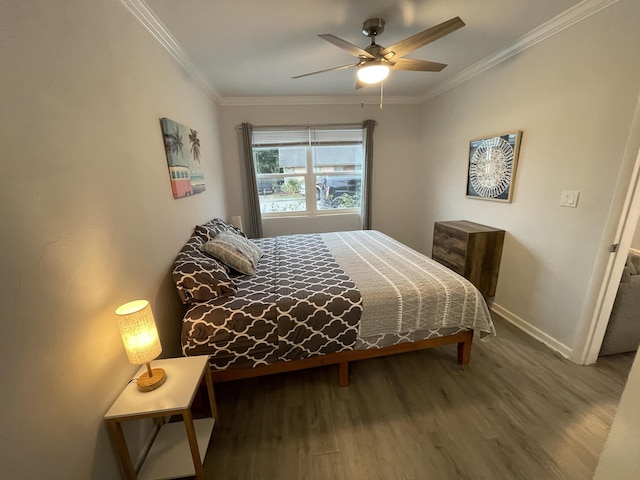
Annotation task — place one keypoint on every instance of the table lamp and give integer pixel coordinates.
(141, 341)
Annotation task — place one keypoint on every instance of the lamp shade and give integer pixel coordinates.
(139, 332)
(373, 72)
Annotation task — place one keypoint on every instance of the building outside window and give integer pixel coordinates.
(309, 170)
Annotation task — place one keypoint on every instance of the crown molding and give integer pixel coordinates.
(148, 19)
(316, 100)
(576, 14)
(566, 19)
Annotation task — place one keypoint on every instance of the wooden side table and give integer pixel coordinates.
(179, 447)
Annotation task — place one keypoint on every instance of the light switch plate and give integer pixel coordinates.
(569, 198)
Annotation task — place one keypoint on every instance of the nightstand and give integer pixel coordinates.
(178, 449)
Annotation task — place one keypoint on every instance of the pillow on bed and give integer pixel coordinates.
(237, 252)
(199, 278)
(214, 227)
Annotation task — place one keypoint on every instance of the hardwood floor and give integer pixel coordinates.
(518, 411)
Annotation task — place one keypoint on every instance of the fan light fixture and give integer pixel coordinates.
(373, 72)
(141, 341)
(375, 61)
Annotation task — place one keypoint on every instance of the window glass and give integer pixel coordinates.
(288, 162)
(338, 170)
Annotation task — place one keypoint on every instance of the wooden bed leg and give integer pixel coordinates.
(344, 374)
(464, 350)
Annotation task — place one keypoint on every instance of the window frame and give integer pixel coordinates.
(311, 174)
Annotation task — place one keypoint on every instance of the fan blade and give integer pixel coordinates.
(346, 46)
(328, 70)
(418, 40)
(416, 65)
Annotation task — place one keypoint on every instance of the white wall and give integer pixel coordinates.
(83, 87)
(395, 186)
(620, 459)
(88, 221)
(573, 96)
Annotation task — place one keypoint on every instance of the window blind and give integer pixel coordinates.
(315, 136)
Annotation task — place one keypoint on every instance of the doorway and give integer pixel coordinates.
(626, 229)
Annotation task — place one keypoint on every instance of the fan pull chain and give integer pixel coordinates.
(381, 93)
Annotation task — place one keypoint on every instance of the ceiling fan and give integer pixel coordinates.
(375, 61)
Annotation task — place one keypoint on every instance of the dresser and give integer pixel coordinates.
(471, 250)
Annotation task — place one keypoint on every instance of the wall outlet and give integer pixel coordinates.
(569, 198)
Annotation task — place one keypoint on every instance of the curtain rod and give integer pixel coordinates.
(334, 125)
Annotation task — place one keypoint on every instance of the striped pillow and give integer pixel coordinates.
(235, 251)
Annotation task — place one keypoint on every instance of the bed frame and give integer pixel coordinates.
(463, 339)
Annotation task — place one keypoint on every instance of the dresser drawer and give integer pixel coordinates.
(450, 247)
(471, 250)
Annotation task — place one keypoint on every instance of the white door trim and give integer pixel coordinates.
(628, 221)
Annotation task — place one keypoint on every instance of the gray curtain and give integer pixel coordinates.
(253, 224)
(368, 126)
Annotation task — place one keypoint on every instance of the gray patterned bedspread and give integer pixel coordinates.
(300, 303)
(322, 293)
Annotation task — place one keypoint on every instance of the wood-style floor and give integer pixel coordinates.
(518, 411)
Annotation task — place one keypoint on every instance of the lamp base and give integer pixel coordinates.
(147, 382)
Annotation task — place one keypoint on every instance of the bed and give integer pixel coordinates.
(320, 299)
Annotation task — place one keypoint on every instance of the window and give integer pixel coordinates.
(310, 170)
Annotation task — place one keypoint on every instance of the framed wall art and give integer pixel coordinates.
(492, 166)
(182, 146)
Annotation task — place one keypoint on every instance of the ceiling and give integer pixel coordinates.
(247, 49)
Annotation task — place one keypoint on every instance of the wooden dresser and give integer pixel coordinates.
(471, 250)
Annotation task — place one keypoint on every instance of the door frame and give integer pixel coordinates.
(615, 261)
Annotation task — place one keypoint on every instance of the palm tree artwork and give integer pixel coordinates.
(185, 166)
(195, 145)
(173, 141)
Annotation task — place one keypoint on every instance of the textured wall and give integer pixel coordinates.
(88, 221)
(395, 185)
(573, 95)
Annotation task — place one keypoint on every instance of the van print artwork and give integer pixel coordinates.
(182, 146)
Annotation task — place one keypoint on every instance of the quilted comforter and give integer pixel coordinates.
(322, 293)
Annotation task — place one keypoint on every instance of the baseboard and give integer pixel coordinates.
(536, 333)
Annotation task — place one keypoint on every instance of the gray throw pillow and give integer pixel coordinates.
(633, 262)
(235, 251)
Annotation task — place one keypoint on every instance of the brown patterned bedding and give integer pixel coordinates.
(323, 293)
